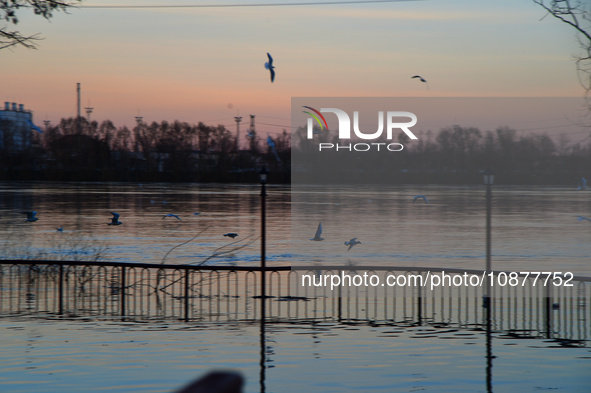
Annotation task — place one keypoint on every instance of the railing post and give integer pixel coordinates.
(122, 291)
(187, 295)
(340, 304)
(420, 301)
(548, 313)
(61, 290)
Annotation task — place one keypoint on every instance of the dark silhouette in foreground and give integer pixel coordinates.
(216, 382)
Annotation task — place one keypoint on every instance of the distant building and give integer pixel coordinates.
(16, 126)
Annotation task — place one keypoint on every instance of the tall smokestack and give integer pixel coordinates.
(78, 94)
(78, 112)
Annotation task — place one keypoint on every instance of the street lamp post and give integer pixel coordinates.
(263, 174)
(489, 179)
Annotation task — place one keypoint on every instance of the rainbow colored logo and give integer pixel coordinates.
(316, 117)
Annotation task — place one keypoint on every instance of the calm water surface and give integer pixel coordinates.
(74, 356)
(533, 229)
(83, 210)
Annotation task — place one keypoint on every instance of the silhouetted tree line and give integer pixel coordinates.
(455, 155)
(76, 149)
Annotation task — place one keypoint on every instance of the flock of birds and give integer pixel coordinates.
(353, 242)
(32, 217)
(318, 238)
(269, 66)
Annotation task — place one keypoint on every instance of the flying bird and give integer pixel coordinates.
(172, 215)
(581, 218)
(196, 213)
(31, 216)
(417, 197)
(271, 144)
(60, 229)
(115, 219)
(269, 66)
(317, 237)
(352, 243)
(582, 184)
(421, 79)
(33, 126)
(231, 234)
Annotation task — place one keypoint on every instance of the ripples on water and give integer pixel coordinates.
(83, 210)
(533, 228)
(84, 355)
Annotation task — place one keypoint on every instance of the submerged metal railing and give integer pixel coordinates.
(231, 293)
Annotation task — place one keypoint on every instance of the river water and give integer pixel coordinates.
(533, 229)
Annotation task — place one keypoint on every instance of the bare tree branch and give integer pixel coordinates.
(8, 13)
(182, 244)
(228, 249)
(573, 14)
(12, 38)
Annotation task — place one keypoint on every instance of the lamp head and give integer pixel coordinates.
(489, 177)
(263, 174)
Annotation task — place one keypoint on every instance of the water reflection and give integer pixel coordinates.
(534, 229)
(489, 355)
(72, 354)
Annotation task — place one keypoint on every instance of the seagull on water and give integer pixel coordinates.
(581, 218)
(269, 66)
(172, 215)
(115, 219)
(352, 243)
(231, 234)
(31, 216)
(317, 237)
(417, 197)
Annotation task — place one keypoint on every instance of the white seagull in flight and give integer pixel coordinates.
(269, 66)
(317, 237)
(352, 243)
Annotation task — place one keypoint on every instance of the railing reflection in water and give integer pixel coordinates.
(208, 293)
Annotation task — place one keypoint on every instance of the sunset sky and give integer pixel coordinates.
(207, 64)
